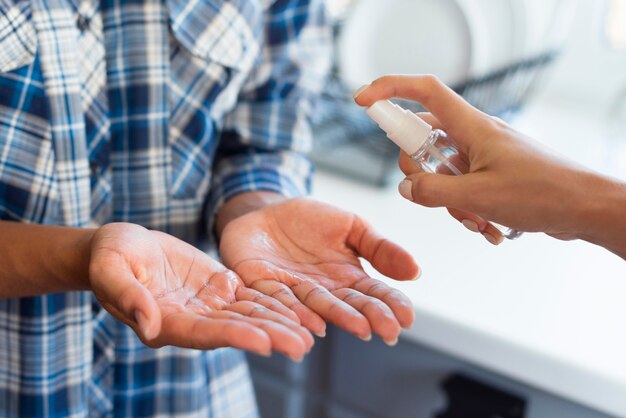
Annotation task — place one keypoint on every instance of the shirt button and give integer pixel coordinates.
(94, 169)
(83, 23)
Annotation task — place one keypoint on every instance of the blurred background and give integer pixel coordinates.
(504, 56)
(531, 329)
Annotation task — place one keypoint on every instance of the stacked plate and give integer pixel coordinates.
(458, 40)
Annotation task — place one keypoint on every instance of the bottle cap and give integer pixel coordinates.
(402, 126)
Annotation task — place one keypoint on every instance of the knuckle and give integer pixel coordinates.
(375, 287)
(384, 80)
(349, 297)
(256, 311)
(432, 86)
(151, 343)
(426, 88)
(281, 293)
(431, 80)
(494, 127)
(497, 122)
(313, 293)
(275, 305)
(258, 297)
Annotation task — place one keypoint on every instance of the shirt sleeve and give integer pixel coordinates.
(267, 135)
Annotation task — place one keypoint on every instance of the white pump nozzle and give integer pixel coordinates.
(403, 127)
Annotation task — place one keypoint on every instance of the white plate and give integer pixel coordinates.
(540, 24)
(562, 18)
(406, 36)
(494, 22)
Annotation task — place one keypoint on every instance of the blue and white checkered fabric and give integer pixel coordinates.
(153, 112)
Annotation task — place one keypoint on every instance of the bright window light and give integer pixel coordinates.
(616, 24)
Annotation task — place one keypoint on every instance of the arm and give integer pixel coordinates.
(169, 292)
(38, 259)
(602, 222)
(266, 136)
(512, 180)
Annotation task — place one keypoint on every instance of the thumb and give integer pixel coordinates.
(120, 293)
(437, 190)
(385, 256)
(456, 115)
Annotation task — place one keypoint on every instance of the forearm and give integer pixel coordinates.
(40, 259)
(604, 218)
(242, 204)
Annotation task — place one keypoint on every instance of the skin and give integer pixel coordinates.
(166, 290)
(290, 266)
(306, 254)
(511, 180)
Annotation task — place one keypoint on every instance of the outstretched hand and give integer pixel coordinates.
(171, 293)
(306, 255)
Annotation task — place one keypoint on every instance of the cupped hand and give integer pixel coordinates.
(512, 180)
(306, 254)
(171, 293)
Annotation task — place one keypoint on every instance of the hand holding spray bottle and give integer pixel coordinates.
(430, 149)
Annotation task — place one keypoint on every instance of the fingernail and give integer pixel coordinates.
(493, 240)
(320, 334)
(367, 338)
(267, 354)
(142, 322)
(471, 225)
(418, 275)
(359, 91)
(298, 359)
(406, 189)
(392, 343)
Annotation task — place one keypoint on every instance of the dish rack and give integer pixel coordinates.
(349, 143)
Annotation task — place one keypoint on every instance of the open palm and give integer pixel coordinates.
(306, 254)
(173, 294)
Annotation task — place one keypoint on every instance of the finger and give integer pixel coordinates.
(399, 304)
(436, 190)
(245, 293)
(382, 320)
(455, 114)
(116, 286)
(332, 309)
(407, 165)
(476, 224)
(190, 330)
(430, 119)
(282, 338)
(388, 258)
(284, 295)
(254, 310)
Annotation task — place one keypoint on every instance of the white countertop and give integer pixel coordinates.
(548, 313)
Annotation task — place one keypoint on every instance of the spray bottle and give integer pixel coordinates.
(430, 149)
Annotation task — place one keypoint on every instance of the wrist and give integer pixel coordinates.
(43, 259)
(71, 265)
(602, 221)
(243, 204)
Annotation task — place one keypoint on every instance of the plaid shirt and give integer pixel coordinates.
(153, 112)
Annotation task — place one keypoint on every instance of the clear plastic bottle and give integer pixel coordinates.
(430, 149)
